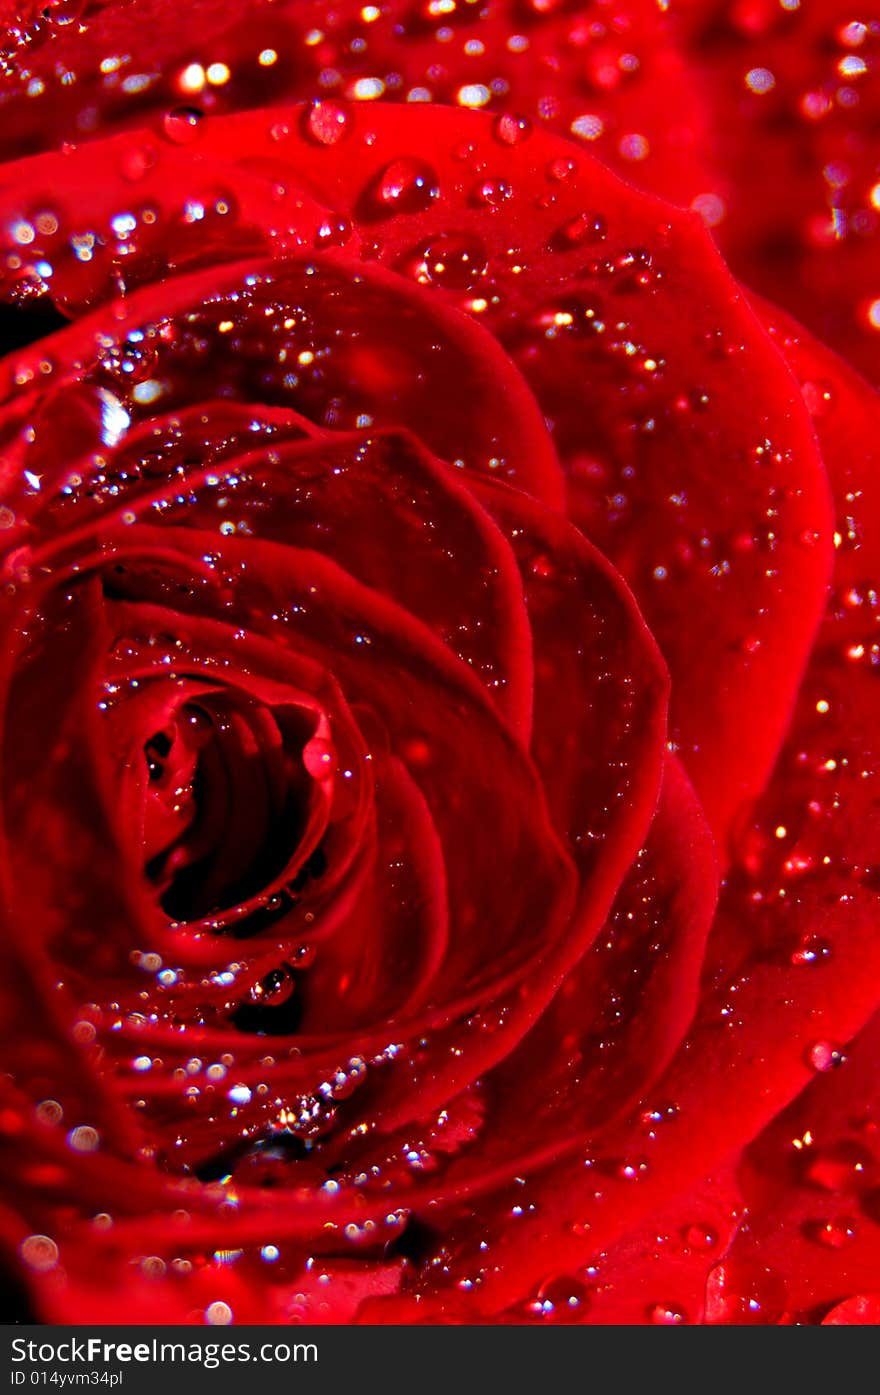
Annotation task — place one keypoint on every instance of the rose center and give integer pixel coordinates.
(227, 800)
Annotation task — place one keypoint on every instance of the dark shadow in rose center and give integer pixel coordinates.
(225, 814)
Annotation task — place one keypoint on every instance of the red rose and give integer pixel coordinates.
(363, 947)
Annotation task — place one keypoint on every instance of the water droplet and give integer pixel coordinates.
(578, 231)
(335, 231)
(218, 1314)
(700, 1237)
(561, 1299)
(407, 185)
(137, 161)
(839, 1166)
(819, 398)
(862, 1310)
(578, 316)
(39, 1252)
(512, 130)
(327, 122)
(561, 169)
(64, 12)
(742, 1293)
(834, 1234)
(275, 989)
(455, 260)
(182, 125)
(811, 951)
(824, 1055)
(492, 192)
(84, 1139)
(49, 1112)
(542, 567)
(129, 362)
(632, 1171)
(319, 758)
(666, 1315)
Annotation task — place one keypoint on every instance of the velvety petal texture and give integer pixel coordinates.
(438, 809)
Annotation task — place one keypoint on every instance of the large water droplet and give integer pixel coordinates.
(407, 185)
(326, 122)
(39, 1252)
(64, 11)
(455, 260)
(182, 125)
(276, 988)
(512, 130)
(319, 758)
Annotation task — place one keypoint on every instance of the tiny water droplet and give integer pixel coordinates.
(666, 1315)
(824, 1056)
(632, 1171)
(582, 229)
(335, 231)
(561, 169)
(561, 1299)
(492, 192)
(542, 566)
(819, 398)
(700, 1237)
(811, 951)
(129, 362)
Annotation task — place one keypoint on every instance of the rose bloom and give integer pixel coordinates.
(439, 762)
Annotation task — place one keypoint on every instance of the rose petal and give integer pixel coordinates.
(636, 307)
